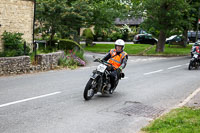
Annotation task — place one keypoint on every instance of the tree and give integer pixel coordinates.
(77, 16)
(104, 14)
(195, 12)
(190, 18)
(62, 17)
(66, 17)
(48, 14)
(164, 16)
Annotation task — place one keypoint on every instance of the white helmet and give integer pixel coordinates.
(120, 42)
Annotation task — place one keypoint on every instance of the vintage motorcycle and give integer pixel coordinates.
(100, 80)
(194, 61)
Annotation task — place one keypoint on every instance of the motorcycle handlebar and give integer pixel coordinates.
(104, 62)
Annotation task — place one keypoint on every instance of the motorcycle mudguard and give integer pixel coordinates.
(192, 59)
(94, 76)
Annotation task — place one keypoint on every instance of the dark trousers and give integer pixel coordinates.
(113, 78)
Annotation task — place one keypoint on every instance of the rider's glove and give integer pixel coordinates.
(119, 69)
(97, 60)
(103, 60)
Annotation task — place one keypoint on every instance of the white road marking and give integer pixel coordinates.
(147, 59)
(189, 98)
(28, 99)
(153, 72)
(83, 68)
(174, 67)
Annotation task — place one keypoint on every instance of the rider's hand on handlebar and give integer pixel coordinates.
(119, 69)
(103, 60)
(97, 60)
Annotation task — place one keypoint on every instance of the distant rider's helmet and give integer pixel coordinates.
(120, 42)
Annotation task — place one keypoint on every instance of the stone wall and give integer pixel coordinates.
(14, 65)
(17, 16)
(22, 64)
(49, 61)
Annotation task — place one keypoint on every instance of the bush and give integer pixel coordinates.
(59, 44)
(13, 45)
(70, 63)
(89, 36)
(115, 35)
(72, 60)
(66, 44)
(12, 40)
(102, 35)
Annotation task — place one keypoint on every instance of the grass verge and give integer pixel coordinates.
(133, 49)
(142, 49)
(173, 50)
(181, 120)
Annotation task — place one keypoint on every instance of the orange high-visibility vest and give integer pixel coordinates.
(116, 60)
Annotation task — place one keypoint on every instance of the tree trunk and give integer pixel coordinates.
(51, 37)
(197, 35)
(161, 42)
(185, 37)
(77, 36)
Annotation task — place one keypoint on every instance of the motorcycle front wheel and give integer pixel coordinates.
(190, 65)
(89, 90)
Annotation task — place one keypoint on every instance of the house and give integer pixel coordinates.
(130, 22)
(120, 23)
(17, 16)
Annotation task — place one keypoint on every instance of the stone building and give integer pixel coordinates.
(17, 16)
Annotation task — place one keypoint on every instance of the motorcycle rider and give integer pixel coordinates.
(197, 51)
(118, 58)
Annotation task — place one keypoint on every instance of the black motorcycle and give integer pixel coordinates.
(194, 62)
(100, 80)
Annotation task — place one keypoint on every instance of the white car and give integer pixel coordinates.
(175, 38)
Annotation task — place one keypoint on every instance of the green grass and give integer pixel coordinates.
(129, 48)
(181, 120)
(172, 50)
(138, 49)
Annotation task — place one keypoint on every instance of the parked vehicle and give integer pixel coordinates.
(100, 80)
(144, 39)
(193, 47)
(176, 39)
(192, 36)
(194, 61)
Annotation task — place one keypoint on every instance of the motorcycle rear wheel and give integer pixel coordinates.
(89, 91)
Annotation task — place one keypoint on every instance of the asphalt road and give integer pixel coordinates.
(52, 102)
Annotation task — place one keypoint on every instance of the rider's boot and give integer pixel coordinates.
(112, 88)
(107, 89)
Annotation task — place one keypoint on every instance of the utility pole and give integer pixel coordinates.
(197, 25)
(34, 43)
